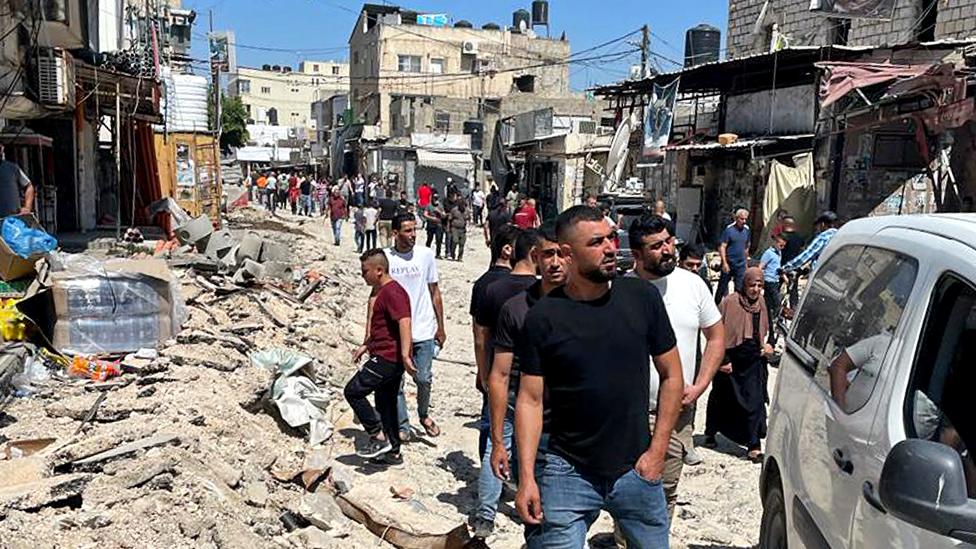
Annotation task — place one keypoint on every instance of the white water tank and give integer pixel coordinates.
(184, 102)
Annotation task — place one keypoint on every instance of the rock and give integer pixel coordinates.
(193, 526)
(321, 510)
(41, 493)
(146, 472)
(256, 493)
(314, 538)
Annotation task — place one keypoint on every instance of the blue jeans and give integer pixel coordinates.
(489, 487)
(337, 230)
(360, 237)
(305, 205)
(423, 361)
(572, 501)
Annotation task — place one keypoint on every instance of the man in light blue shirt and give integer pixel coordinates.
(770, 264)
(826, 226)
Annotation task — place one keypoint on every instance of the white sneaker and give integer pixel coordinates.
(691, 457)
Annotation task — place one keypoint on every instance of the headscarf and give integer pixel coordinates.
(738, 310)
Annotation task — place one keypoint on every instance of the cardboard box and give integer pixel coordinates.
(12, 266)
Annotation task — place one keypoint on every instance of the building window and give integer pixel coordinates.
(436, 65)
(266, 89)
(355, 58)
(335, 70)
(243, 86)
(408, 63)
(896, 151)
(525, 83)
(315, 68)
(442, 122)
(587, 127)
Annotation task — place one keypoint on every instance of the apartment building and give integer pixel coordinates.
(396, 53)
(277, 95)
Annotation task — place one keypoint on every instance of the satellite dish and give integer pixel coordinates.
(619, 149)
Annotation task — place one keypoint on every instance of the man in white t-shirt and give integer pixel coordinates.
(854, 372)
(692, 312)
(414, 268)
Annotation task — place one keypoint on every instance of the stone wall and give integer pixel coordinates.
(955, 19)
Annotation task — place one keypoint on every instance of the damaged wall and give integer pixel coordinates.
(953, 20)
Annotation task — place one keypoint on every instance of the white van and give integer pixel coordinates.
(873, 419)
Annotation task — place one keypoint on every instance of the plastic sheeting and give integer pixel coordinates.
(792, 189)
(299, 400)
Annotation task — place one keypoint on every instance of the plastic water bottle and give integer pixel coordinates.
(437, 349)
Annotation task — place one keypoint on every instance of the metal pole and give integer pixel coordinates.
(118, 162)
(645, 49)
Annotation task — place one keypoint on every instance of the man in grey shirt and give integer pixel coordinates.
(16, 190)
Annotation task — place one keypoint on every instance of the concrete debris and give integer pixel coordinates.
(125, 449)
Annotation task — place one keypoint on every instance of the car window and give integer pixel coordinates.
(940, 404)
(848, 320)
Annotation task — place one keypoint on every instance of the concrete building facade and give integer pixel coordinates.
(279, 96)
(393, 57)
(752, 24)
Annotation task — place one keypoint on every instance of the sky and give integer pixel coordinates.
(319, 29)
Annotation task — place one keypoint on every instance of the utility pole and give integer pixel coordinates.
(645, 50)
(215, 78)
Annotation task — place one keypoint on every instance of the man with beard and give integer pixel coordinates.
(692, 312)
(503, 381)
(496, 295)
(414, 268)
(588, 344)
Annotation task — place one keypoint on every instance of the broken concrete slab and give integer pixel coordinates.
(42, 492)
(131, 447)
(219, 244)
(321, 510)
(279, 270)
(398, 536)
(250, 247)
(146, 472)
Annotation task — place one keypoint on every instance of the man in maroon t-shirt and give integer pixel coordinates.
(389, 344)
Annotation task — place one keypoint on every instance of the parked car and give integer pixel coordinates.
(873, 419)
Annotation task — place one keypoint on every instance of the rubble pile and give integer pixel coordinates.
(187, 447)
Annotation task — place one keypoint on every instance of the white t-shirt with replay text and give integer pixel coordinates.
(690, 307)
(414, 270)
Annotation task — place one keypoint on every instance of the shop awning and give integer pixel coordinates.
(458, 162)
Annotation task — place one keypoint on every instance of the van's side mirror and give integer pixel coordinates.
(923, 483)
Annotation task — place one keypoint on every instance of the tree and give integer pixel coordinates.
(233, 119)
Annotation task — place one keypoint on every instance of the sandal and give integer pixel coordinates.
(755, 456)
(430, 427)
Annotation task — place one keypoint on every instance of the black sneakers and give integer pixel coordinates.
(374, 448)
(388, 458)
(482, 528)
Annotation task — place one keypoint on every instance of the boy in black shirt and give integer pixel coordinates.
(588, 344)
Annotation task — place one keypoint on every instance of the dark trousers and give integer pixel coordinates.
(370, 239)
(771, 292)
(382, 378)
(478, 211)
(435, 232)
(456, 246)
(736, 273)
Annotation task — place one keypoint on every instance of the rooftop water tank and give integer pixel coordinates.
(491, 26)
(540, 13)
(521, 21)
(702, 45)
(462, 24)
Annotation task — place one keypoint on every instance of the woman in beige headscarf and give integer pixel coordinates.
(737, 403)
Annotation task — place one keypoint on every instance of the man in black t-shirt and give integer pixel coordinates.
(384, 224)
(588, 344)
(502, 249)
(503, 380)
(496, 294)
(497, 217)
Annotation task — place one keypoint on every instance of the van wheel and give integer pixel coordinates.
(772, 532)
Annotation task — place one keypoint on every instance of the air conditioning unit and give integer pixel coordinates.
(469, 47)
(52, 78)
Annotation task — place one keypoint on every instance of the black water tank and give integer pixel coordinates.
(266, 67)
(521, 20)
(490, 27)
(476, 129)
(462, 24)
(540, 12)
(702, 45)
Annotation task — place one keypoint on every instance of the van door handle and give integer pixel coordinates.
(872, 497)
(843, 464)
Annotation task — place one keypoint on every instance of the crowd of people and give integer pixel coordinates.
(558, 335)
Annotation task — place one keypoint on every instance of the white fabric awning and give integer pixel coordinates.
(454, 162)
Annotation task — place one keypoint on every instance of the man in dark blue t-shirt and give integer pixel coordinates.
(733, 247)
